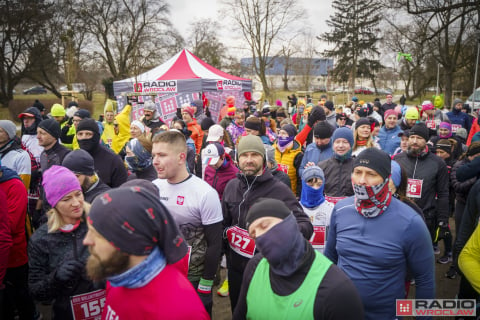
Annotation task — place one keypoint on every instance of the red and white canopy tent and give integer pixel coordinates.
(183, 73)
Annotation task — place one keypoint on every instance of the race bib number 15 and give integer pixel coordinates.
(88, 306)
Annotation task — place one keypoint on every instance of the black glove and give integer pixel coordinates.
(69, 270)
(317, 114)
(442, 231)
(207, 301)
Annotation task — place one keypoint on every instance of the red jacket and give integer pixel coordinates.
(219, 178)
(5, 236)
(474, 129)
(168, 296)
(17, 210)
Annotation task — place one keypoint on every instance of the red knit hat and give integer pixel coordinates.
(230, 101)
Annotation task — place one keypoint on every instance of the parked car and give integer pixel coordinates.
(341, 90)
(35, 90)
(363, 90)
(384, 91)
(474, 104)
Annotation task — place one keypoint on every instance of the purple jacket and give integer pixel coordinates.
(219, 178)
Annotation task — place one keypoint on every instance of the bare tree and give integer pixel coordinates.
(261, 22)
(204, 43)
(131, 35)
(19, 23)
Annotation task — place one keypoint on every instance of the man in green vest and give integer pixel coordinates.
(289, 279)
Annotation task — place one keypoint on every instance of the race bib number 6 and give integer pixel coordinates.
(414, 188)
(88, 306)
(240, 241)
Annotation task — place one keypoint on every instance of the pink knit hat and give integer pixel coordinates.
(189, 110)
(57, 182)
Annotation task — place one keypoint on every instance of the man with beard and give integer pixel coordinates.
(375, 238)
(253, 182)
(196, 208)
(109, 166)
(428, 180)
(151, 118)
(321, 148)
(81, 163)
(136, 245)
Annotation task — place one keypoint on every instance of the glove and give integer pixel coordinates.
(442, 231)
(70, 270)
(317, 114)
(207, 301)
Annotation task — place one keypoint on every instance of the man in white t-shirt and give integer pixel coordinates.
(194, 205)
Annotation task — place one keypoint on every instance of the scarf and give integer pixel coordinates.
(142, 158)
(142, 273)
(372, 201)
(283, 246)
(362, 142)
(8, 174)
(311, 197)
(284, 143)
(344, 157)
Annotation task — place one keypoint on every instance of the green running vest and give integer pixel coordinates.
(263, 303)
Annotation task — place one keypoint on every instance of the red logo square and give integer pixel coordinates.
(180, 200)
(137, 87)
(219, 85)
(404, 308)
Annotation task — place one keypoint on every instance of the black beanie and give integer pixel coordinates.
(88, 124)
(374, 159)
(52, 127)
(322, 130)
(419, 129)
(267, 207)
(444, 145)
(361, 122)
(80, 162)
(82, 113)
(329, 105)
(206, 123)
(37, 104)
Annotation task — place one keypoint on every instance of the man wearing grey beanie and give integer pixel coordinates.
(457, 118)
(253, 182)
(12, 154)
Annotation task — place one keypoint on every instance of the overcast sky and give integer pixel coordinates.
(185, 11)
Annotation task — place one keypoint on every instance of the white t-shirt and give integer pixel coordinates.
(320, 219)
(193, 204)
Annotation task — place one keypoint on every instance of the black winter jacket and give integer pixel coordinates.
(241, 193)
(46, 252)
(434, 173)
(461, 188)
(109, 166)
(338, 182)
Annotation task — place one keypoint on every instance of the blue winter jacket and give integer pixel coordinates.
(461, 118)
(375, 254)
(388, 139)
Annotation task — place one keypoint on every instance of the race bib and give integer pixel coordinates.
(414, 188)
(455, 127)
(431, 124)
(88, 306)
(318, 237)
(283, 167)
(334, 200)
(240, 241)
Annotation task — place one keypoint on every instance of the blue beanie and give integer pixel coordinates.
(344, 133)
(476, 137)
(313, 172)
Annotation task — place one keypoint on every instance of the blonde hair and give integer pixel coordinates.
(370, 142)
(55, 220)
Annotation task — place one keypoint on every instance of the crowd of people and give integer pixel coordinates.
(315, 210)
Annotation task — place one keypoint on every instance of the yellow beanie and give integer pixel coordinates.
(57, 110)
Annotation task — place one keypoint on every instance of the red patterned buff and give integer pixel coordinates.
(372, 201)
(134, 221)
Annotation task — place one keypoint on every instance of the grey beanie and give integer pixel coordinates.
(462, 133)
(9, 128)
(457, 101)
(313, 172)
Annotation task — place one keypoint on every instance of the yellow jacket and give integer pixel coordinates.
(469, 260)
(123, 120)
(286, 160)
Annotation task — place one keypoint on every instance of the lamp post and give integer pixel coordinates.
(477, 36)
